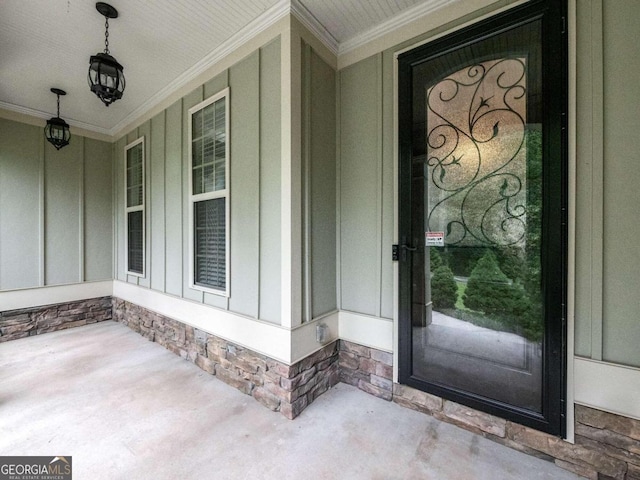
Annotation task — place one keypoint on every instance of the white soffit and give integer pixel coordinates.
(347, 19)
(47, 43)
(356, 22)
(163, 45)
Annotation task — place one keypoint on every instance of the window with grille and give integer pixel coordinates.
(134, 206)
(209, 199)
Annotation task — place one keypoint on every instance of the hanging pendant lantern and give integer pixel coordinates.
(105, 73)
(57, 130)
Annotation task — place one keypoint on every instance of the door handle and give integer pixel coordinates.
(406, 248)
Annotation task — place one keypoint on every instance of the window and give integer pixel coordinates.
(209, 194)
(134, 207)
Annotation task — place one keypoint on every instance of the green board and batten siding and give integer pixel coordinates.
(55, 209)
(21, 169)
(318, 184)
(621, 233)
(365, 196)
(98, 223)
(607, 227)
(270, 190)
(254, 95)
(156, 215)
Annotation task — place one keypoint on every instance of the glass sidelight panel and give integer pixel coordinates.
(481, 169)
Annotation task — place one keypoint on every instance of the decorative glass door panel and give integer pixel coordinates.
(481, 168)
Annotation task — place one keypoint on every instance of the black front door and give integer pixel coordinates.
(483, 216)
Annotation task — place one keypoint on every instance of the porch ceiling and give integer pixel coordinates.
(45, 43)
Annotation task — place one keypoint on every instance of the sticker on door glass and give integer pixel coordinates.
(434, 239)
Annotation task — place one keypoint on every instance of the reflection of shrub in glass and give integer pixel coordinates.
(444, 291)
(490, 291)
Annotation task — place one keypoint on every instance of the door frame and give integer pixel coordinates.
(554, 417)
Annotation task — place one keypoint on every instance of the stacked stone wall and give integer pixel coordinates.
(607, 446)
(288, 389)
(368, 369)
(26, 322)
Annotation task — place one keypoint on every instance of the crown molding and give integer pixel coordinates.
(314, 26)
(39, 118)
(249, 31)
(394, 23)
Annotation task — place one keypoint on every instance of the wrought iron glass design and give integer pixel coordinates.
(476, 154)
(482, 286)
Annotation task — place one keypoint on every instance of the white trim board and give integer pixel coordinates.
(40, 296)
(607, 386)
(261, 337)
(303, 337)
(370, 331)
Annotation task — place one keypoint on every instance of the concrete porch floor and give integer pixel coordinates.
(126, 408)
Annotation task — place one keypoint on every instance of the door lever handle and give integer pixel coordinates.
(406, 248)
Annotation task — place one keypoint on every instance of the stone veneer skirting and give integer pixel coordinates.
(26, 322)
(280, 387)
(607, 446)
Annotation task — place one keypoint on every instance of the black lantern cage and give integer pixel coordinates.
(57, 130)
(106, 77)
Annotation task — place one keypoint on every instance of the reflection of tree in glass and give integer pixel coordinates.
(491, 292)
(504, 286)
(444, 290)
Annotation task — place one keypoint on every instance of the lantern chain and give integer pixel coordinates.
(106, 35)
(58, 104)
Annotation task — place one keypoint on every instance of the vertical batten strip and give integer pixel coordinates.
(259, 157)
(144, 192)
(41, 209)
(285, 206)
(306, 132)
(182, 195)
(338, 194)
(396, 222)
(230, 160)
(148, 204)
(597, 194)
(81, 203)
(290, 176)
(571, 267)
(164, 200)
(379, 150)
(114, 209)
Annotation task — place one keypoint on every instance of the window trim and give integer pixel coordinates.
(141, 207)
(226, 194)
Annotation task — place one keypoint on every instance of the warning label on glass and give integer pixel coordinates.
(434, 239)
